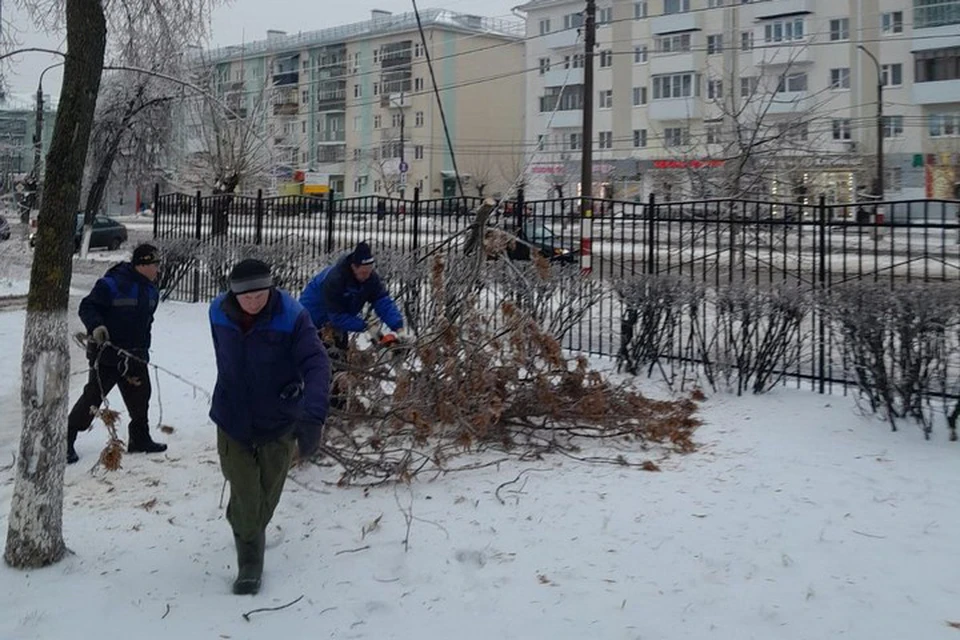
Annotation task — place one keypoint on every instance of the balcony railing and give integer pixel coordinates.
(927, 15)
(331, 136)
(289, 77)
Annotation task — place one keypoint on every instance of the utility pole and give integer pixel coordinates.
(403, 162)
(586, 158)
(878, 187)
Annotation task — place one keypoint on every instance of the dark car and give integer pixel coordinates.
(4, 229)
(107, 233)
(543, 239)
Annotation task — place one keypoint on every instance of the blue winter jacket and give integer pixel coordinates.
(335, 296)
(124, 302)
(272, 379)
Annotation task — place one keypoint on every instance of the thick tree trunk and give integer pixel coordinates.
(95, 195)
(35, 533)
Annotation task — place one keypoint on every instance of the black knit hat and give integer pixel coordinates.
(250, 275)
(362, 254)
(145, 254)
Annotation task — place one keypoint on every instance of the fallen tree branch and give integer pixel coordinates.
(246, 616)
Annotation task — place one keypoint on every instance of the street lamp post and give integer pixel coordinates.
(37, 147)
(878, 188)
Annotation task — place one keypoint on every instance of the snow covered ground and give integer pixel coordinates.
(797, 519)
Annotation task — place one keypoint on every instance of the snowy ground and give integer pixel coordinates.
(797, 519)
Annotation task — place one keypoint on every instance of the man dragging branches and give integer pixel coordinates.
(118, 316)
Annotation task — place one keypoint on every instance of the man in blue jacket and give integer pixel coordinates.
(118, 315)
(271, 398)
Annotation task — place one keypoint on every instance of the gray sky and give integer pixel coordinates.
(241, 20)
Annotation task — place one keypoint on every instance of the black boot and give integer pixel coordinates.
(72, 456)
(145, 446)
(250, 565)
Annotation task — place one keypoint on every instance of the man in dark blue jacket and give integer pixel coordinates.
(271, 398)
(118, 315)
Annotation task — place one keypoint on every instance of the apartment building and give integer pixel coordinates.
(762, 98)
(352, 108)
(18, 118)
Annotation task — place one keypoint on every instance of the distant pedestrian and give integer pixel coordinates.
(118, 316)
(271, 398)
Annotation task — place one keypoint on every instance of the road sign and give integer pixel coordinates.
(404, 167)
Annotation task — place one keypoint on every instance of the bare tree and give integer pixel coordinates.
(480, 169)
(35, 534)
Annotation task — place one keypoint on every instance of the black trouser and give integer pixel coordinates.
(336, 348)
(133, 378)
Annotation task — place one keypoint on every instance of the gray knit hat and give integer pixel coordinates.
(250, 275)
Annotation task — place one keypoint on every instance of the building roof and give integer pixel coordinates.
(379, 25)
(533, 5)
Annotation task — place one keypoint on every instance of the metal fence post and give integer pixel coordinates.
(521, 205)
(415, 243)
(156, 209)
(197, 233)
(258, 233)
(651, 233)
(331, 201)
(821, 285)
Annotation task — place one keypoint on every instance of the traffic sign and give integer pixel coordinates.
(404, 167)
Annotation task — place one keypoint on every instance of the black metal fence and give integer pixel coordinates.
(812, 246)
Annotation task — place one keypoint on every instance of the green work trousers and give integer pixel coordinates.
(256, 478)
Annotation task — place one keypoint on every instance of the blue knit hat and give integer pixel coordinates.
(361, 254)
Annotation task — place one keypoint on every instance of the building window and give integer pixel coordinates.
(793, 130)
(376, 88)
(675, 137)
(892, 74)
(544, 65)
(418, 152)
(784, 30)
(356, 91)
(840, 29)
(356, 62)
(305, 97)
(714, 44)
(606, 140)
(605, 15)
(376, 56)
(674, 43)
(840, 78)
(417, 50)
(606, 58)
(937, 64)
(677, 85)
(714, 89)
(377, 121)
(676, 6)
(357, 123)
(640, 10)
(639, 138)
(575, 141)
(573, 20)
(944, 125)
(746, 41)
(418, 84)
(640, 54)
(714, 134)
(606, 99)
(791, 83)
(891, 22)
(748, 86)
(356, 154)
(376, 186)
(418, 119)
(395, 120)
(639, 96)
(892, 126)
(714, 4)
(545, 26)
(841, 128)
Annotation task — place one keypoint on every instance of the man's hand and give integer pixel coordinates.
(308, 439)
(100, 335)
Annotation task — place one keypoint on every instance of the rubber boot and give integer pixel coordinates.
(72, 456)
(249, 565)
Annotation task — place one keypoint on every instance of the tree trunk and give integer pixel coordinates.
(35, 533)
(97, 189)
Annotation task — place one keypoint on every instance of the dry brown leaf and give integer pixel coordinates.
(165, 428)
(649, 465)
(955, 625)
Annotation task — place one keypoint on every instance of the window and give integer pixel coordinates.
(674, 43)
(305, 97)
(605, 15)
(714, 89)
(714, 134)
(639, 96)
(606, 99)
(746, 41)
(748, 86)
(792, 83)
(640, 54)
(937, 64)
(359, 183)
(544, 65)
(892, 74)
(357, 123)
(891, 22)
(575, 61)
(892, 126)
(356, 91)
(395, 120)
(676, 6)
(376, 186)
(376, 88)
(303, 127)
(793, 130)
(418, 84)
(714, 44)
(575, 141)
(418, 51)
(944, 125)
(784, 30)
(640, 10)
(840, 78)
(376, 56)
(677, 85)
(377, 122)
(840, 29)
(573, 21)
(605, 140)
(675, 137)
(418, 152)
(606, 58)
(841, 129)
(356, 154)
(545, 26)
(714, 4)
(418, 118)
(639, 138)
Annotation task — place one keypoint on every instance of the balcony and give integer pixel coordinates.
(285, 78)
(683, 62)
(787, 102)
(332, 103)
(388, 134)
(394, 101)
(674, 109)
(778, 8)
(569, 119)
(559, 77)
(939, 37)
(676, 23)
(561, 39)
(774, 54)
(940, 92)
(331, 137)
(938, 14)
(286, 109)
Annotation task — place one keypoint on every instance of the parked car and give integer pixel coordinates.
(107, 233)
(4, 229)
(543, 239)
